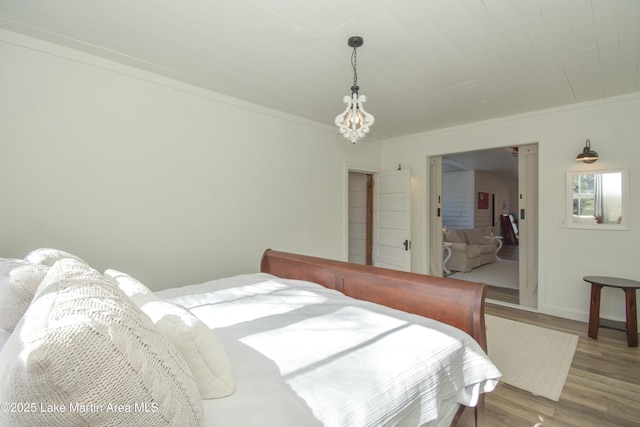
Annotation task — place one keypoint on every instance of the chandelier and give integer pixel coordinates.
(354, 122)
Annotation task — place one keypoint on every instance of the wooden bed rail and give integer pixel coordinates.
(454, 302)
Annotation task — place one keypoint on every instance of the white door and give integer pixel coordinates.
(392, 220)
(528, 224)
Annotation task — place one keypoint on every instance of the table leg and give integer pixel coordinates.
(446, 258)
(632, 317)
(594, 311)
(498, 250)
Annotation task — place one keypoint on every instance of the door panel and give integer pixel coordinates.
(392, 220)
(528, 224)
(435, 216)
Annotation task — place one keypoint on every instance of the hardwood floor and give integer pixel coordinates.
(602, 389)
(498, 293)
(509, 252)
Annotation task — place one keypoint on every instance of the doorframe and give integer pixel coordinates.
(528, 212)
(345, 219)
(435, 213)
(438, 251)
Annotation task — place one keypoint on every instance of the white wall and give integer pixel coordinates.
(565, 255)
(168, 182)
(177, 185)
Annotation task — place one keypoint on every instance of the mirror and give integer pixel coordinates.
(598, 199)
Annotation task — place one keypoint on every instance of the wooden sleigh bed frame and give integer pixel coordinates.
(454, 302)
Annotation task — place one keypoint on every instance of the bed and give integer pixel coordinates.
(306, 341)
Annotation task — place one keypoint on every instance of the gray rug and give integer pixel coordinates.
(503, 273)
(531, 358)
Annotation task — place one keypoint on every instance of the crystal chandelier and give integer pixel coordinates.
(354, 122)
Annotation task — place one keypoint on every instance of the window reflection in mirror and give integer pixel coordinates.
(597, 199)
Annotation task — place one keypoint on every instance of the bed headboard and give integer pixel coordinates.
(455, 302)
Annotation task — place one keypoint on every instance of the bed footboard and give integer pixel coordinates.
(455, 302)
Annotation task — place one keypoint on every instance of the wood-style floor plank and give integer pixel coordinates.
(602, 388)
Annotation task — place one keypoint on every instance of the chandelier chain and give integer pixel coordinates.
(354, 63)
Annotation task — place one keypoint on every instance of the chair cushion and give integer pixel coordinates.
(455, 236)
(475, 236)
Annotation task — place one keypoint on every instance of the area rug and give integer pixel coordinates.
(503, 273)
(531, 358)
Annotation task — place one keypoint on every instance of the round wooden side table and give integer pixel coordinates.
(629, 287)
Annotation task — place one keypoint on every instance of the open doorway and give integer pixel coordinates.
(360, 218)
(484, 196)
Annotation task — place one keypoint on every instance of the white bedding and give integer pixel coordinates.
(4, 336)
(306, 355)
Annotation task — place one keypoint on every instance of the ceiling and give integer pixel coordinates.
(424, 65)
(502, 160)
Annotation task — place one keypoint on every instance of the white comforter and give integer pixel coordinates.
(306, 355)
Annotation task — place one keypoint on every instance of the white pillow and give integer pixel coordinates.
(8, 264)
(4, 336)
(48, 256)
(200, 347)
(82, 342)
(18, 283)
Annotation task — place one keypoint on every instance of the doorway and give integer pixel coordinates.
(379, 218)
(493, 191)
(360, 218)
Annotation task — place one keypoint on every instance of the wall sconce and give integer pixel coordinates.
(587, 155)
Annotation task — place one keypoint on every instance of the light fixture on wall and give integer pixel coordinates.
(354, 122)
(587, 155)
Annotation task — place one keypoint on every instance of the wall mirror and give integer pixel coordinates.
(598, 199)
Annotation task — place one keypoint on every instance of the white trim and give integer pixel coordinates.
(120, 67)
(516, 306)
(623, 225)
(522, 116)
